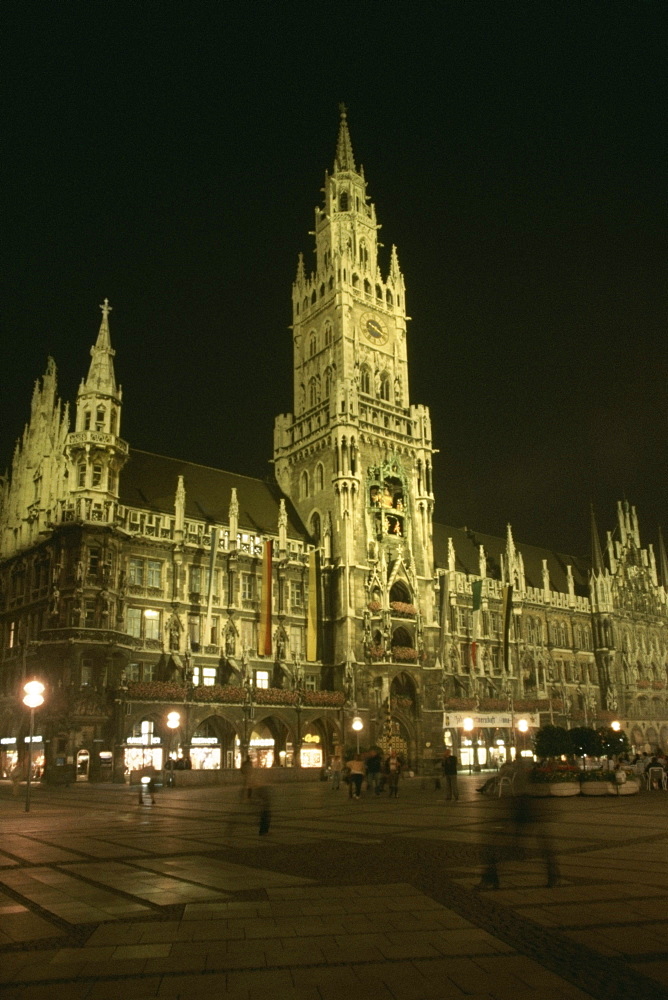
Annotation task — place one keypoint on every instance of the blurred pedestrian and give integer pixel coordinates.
(356, 769)
(524, 817)
(393, 770)
(373, 765)
(449, 766)
(336, 768)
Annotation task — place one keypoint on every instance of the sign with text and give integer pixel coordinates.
(490, 720)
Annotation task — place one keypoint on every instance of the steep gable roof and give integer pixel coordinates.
(149, 481)
(467, 542)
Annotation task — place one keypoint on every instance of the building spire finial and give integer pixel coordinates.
(596, 553)
(344, 159)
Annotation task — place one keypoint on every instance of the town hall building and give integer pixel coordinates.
(172, 609)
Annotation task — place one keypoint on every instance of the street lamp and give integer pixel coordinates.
(523, 727)
(33, 698)
(173, 722)
(358, 726)
(467, 726)
(616, 725)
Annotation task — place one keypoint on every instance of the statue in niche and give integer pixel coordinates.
(174, 632)
(398, 392)
(230, 643)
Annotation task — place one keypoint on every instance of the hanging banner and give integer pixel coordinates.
(490, 720)
(264, 629)
(312, 609)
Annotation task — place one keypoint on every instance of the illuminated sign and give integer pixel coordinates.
(204, 741)
(6, 740)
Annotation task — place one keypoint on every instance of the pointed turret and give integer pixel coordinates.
(95, 450)
(596, 553)
(101, 376)
(344, 159)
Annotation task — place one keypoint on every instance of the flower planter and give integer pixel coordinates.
(597, 787)
(627, 788)
(562, 788)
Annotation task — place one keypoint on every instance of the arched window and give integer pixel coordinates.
(356, 281)
(313, 297)
(315, 527)
(305, 304)
(379, 293)
(322, 289)
(367, 287)
(328, 334)
(401, 637)
(343, 201)
(312, 344)
(400, 592)
(313, 392)
(384, 386)
(365, 379)
(364, 253)
(99, 419)
(319, 477)
(328, 382)
(388, 297)
(303, 485)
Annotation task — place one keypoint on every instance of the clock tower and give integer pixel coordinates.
(355, 455)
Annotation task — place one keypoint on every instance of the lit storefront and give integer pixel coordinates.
(9, 755)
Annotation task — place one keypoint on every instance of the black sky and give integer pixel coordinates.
(169, 156)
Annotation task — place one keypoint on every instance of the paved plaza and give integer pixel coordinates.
(373, 899)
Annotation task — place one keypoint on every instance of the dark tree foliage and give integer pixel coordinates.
(585, 742)
(552, 741)
(613, 743)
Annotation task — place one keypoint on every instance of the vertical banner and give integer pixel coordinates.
(312, 611)
(264, 636)
(507, 612)
(206, 638)
(476, 590)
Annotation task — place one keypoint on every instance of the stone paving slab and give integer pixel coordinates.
(380, 904)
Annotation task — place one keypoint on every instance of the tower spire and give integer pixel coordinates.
(596, 553)
(344, 159)
(101, 376)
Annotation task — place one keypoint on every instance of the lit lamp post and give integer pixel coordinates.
(616, 725)
(523, 727)
(173, 722)
(467, 726)
(33, 698)
(358, 726)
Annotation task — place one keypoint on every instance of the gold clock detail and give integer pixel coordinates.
(374, 330)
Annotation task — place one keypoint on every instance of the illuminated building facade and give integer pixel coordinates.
(268, 614)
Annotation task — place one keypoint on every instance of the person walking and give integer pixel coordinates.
(336, 767)
(449, 766)
(393, 770)
(356, 769)
(373, 764)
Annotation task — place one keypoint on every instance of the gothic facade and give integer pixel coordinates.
(268, 614)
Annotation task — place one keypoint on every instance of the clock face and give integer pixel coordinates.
(374, 330)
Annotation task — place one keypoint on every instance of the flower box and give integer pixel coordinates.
(330, 699)
(374, 606)
(274, 696)
(404, 653)
(402, 608)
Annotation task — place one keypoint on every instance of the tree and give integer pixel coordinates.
(585, 742)
(613, 743)
(552, 741)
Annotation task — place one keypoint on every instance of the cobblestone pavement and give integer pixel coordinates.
(374, 899)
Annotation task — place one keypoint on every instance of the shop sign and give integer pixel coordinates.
(204, 741)
(141, 740)
(497, 720)
(311, 738)
(7, 740)
(35, 739)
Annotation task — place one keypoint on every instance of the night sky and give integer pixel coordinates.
(169, 157)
